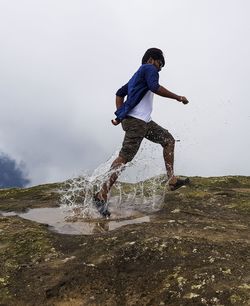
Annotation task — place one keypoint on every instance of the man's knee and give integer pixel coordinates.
(169, 142)
(122, 159)
(119, 162)
(172, 141)
(128, 152)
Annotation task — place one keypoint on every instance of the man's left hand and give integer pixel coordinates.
(183, 100)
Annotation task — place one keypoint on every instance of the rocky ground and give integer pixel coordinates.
(194, 251)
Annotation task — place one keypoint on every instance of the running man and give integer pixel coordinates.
(134, 114)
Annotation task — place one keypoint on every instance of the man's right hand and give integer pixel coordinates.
(115, 122)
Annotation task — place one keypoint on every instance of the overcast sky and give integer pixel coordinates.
(61, 63)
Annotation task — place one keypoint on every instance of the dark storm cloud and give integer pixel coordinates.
(12, 174)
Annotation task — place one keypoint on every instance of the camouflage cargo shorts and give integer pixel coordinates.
(135, 130)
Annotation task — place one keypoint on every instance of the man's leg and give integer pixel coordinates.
(158, 134)
(168, 155)
(116, 168)
(135, 130)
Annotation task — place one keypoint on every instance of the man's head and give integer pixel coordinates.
(154, 56)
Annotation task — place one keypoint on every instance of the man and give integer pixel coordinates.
(135, 116)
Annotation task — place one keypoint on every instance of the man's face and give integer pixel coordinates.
(158, 64)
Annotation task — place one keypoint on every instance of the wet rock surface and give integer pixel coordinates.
(194, 251)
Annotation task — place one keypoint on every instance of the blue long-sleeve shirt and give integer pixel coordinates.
(146, 78)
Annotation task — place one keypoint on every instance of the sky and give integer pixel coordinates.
(61, 63)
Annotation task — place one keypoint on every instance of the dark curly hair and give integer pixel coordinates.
(155, 54)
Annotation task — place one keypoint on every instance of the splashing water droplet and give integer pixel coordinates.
(142, 194)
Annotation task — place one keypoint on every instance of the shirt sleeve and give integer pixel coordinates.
(123, 91)
(152, 78)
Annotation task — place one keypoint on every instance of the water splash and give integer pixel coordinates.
(78, 193)
(141, 193)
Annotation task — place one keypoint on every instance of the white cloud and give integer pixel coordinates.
(62, 62)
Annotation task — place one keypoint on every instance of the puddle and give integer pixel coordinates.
(83, 218)
(71, 222)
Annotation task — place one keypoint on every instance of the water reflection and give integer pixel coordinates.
(67, 222)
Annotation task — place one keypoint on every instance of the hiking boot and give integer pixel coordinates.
(101, 206)
(179, 183)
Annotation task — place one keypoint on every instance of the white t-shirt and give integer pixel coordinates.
(144, 108)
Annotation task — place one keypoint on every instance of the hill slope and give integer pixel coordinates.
(194, 251)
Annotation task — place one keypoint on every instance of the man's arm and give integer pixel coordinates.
(152, 79)
(120, 94)
(163, 92)
(118, 101)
